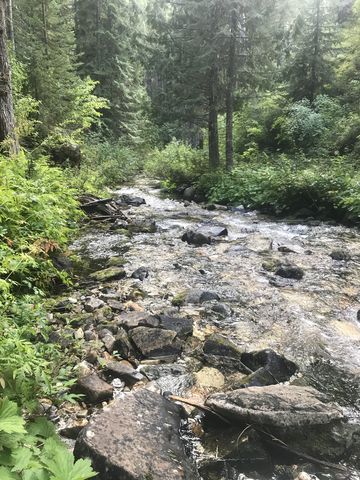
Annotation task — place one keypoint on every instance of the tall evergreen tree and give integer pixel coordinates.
(108, 35)
(311, 66)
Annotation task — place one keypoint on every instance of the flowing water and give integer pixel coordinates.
(312, 321)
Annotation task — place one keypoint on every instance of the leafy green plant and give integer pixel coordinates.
(33, 451)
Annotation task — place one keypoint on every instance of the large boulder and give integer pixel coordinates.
(137, 438)
(131, 200)
(282, 406)
(155, 342)
(67, 154)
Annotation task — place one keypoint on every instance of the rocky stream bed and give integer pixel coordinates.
(251, 323)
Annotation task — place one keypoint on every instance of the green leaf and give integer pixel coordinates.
(42, 428)
(60, 463)
(35, 474)
(21, 459)
(10, 420)
(6, 474)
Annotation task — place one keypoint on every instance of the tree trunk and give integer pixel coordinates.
(44, 10)
(231, 82)
(214, 156)
(7, 119)
(10, 22)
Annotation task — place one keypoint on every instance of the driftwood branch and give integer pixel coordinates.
(267, 437)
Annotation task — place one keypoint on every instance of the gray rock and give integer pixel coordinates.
(182, 326)
(109, 342)
(131, 200)
(125, 372)
(282, 406)
(122, 345)
(141, 274)
(89, 335)
(132, 320)
(143, 226)
(222, 309)
(137, 438)
(196, 238)
(94, 389)
(290, 271)
(189, 194)
(340, 255)
(219, 345)
(208, 297)
(91, 304)
(115, 305)
(214, 231)
(280, 368)
(155, 342)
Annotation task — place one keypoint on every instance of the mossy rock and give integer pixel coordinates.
(109, 274)
(116, 262)
(271, 265)
(179, 299)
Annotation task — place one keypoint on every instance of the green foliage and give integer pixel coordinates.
(37, 216)
(177, 164)
(33, 451)
(107, 164)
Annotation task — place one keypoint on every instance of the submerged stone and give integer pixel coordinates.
(109, 274)
(290, 271)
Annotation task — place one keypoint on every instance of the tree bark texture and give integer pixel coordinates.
(7, 118)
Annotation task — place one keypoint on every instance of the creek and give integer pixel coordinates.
(312, 322)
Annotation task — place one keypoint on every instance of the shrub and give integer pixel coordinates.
(177, 164)
(32, 450)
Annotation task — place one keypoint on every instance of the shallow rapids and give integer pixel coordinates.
(312, 321)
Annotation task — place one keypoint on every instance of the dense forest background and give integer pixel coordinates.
(251, 102)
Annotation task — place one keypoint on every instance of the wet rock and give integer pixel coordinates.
(279, 367)
(61, 261)
(182, 326)
(132, 320)
(230, 458)
(131, 200)
(125, 372)
(222, 309)
(94, 389)
(92, 304)
(143, 226)
(116, 262)
(271, 265)
(109, 274)
(290, 271)
(208, 297)
(137, 438)
(120, 224)
(260, 378)
(141, 274)
(189, 194)
(277, 405)
(155, 342)
(196, 238)
(340, 255)
(122, 345)
(214, 231)
(154, 372)
(219, 345)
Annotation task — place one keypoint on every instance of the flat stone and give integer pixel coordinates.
(115, 305)
(155, 342)
(93, 304)
(132, 320)
(214, 231)
(94, 389)
(125, 372)
(137, 438)
(219, 345)
(209, 297)
(277, 405)
(182, 326)
(210, 378)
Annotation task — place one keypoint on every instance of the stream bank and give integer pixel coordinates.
(261, 286)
